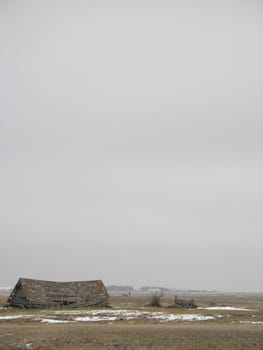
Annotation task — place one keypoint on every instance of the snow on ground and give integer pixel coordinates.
(160, 316)
(49, 320)
(7, 318)
(107, 312)
(95, 319)
(223, 308)
(252, 322)
(111, 315)
(183, 317)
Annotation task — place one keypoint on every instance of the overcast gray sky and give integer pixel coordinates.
(131, 142)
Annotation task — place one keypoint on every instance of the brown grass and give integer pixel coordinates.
(225, 333)
(127, 336)
(3, 299)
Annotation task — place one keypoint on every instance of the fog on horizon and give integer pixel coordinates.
(131, 142)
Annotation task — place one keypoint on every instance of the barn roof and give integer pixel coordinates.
(32, 293)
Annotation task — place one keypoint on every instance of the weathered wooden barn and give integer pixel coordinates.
(31, 293)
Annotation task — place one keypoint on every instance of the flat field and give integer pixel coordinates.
(221, 322)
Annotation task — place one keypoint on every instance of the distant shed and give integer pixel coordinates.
(31, 293)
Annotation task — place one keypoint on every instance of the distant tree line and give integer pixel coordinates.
(116, 288)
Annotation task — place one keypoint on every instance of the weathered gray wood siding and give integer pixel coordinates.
(30, 293)
(18, 298)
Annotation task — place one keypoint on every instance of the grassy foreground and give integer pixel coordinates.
(226, 333)
(102, 336)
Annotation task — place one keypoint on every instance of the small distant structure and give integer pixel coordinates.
(32, 293)
(184, 303)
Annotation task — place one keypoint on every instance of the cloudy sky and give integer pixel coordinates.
(131, 142)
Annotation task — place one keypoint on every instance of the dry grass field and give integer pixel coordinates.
(230, 329)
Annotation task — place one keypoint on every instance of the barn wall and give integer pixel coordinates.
(18, 299)
(44, 294)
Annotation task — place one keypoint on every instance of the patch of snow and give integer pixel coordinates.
(223, 308)
(95, 319)
(252, 322)
(99, 312)
(181, 317)
(48, 320)
(70, 312)
(103, 315)
(6, 318)
(15, 317)
(113, 315)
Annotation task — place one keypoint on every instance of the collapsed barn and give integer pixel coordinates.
(31, 293)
